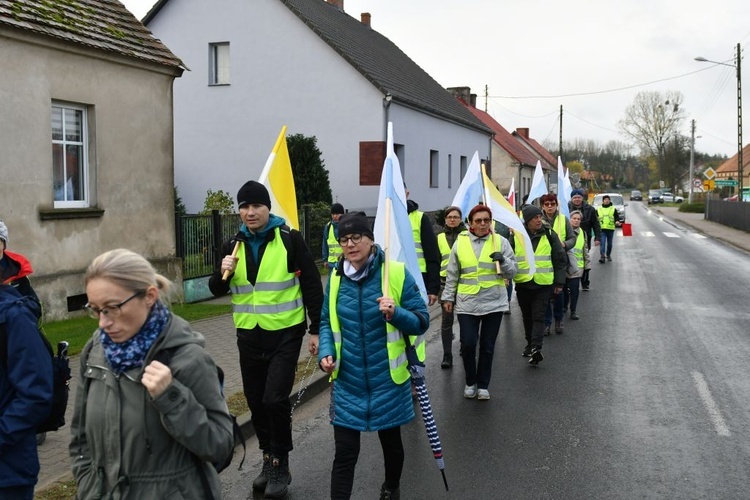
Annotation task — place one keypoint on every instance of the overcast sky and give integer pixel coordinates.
(604, 51)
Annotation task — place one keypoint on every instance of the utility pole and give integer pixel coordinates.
(692, 159)
(560, 148)
(740, 164)
(486, 95)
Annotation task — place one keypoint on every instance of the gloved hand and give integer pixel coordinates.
(497, 257)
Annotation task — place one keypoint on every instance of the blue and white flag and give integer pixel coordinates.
(563, 193)
(538, 186)
(568, 185)
(400, 238)
(469, 193)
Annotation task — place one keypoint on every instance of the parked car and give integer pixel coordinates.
(654, 196)
(636, 195)
(670, 198)
(617, 201)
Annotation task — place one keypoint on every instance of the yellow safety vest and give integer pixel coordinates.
(334, 249)
(397, 360)
(477, 273)
(275, 302)
(606, 216)
(416, 229)
(544, 274)
(559, 226)
(578, 249)
(445, 253)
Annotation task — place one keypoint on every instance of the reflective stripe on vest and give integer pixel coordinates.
(416, 229)
(275, 302)
(477, 273)
(578, 249)
(606, 216)
(544, 274)
(445, 253)
(396, 346)
(334, 249)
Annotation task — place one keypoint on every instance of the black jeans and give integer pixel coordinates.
(347, 453)
(268, 361)
(480, 330)
(446, 331)
(533, 304)
(571, 293)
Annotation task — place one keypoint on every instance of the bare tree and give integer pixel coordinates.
(652, 121)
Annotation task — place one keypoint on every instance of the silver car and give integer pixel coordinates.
(617, 201)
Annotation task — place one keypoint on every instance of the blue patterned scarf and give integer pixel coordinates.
(132, 352)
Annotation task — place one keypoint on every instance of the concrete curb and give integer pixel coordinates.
(712, 234)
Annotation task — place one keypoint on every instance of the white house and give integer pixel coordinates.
(258, 65)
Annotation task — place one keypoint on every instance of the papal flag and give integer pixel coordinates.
(278, 179)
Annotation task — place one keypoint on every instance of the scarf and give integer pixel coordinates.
(132, 352)
(358, 274)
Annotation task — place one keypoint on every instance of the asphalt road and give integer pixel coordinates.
(645, 397)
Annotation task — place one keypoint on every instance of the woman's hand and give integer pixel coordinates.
(448, 307)
(327, 364)
(156, 378)
(387, 307)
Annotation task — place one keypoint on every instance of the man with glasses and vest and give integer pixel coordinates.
(331, 247)
(561, 226)
(452, 228)
(273, 280)
(428, 254)
(533, 291)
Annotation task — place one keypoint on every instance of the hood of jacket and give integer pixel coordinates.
(411, 206)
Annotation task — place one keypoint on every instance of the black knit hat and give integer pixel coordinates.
(253, 193)
(529, 212)
(355, 223)
(337, 208)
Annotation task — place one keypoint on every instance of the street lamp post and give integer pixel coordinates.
(738, 67)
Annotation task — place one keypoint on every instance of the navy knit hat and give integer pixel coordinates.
(253, 193)
(577, 192)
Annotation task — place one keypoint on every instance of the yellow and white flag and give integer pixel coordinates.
(278, 179)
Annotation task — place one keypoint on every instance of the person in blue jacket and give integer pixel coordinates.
(362, 345)
(25, 394)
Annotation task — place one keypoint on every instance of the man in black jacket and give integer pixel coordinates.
(589, 223)
(426, 241)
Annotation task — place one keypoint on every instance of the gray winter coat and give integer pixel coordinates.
(126, 445)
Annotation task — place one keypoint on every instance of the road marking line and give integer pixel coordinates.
(647, 234)
(708, 401)
(664, 302)
(671, 235)
(699, 236)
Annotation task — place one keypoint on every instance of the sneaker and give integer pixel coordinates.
(609, 258)
(526, 351)
(279, 478)
(559, 328)
(483, 394)
(470, 391)
(386, 494)
(447, 361)
(260, 482)
(536, 357)
(585, 288)
(546, 331)
(601, 261)
(573, 315)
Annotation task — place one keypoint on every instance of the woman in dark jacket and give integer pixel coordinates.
(142, 428)
(362, 347)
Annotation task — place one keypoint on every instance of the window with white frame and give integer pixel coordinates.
(70, 168)
(218, 63)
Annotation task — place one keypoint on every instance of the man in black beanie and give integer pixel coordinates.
(331, 247)
(274, 281)
(533, 291)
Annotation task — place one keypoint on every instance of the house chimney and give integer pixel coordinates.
(339, 4)
(365, 18)
(463, 93)
(473, 98)
(523, 132)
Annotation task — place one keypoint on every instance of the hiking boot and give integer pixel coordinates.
(447, 361)
(601, 260)
(386, 494)
(526, 351)
(585, 288)
(278, 478)
(470, 391)
(483, 394)
(609, 258)
(559, 328)
(573, 315)
(536, 357)
(260, 482)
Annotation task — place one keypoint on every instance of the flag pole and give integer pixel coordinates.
(234, 256)
(387, 249)
(492, 222)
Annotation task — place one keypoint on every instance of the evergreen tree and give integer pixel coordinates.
(311, 181)
(179, 206)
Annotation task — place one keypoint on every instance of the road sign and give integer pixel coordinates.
(726, 182)
(697, 183)
(709, 185)
(710, 173)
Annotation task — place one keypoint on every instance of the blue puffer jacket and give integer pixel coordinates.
(364, 397)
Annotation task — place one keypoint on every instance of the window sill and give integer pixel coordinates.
(70, 213)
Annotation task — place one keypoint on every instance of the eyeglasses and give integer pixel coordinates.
(453, 217)
(482, 221)
(550, 204)
(354, 238)
(110, 312)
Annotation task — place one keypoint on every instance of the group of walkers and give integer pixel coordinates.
(150, 417)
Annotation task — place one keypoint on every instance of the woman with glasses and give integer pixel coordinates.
(479, 263)
(564, 231)
(365, 326)
(144, 428)
(451, 230)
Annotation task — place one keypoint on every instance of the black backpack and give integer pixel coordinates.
(60, 374)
